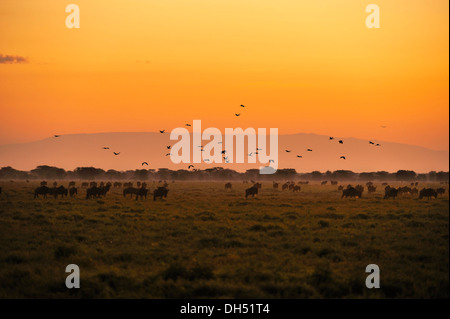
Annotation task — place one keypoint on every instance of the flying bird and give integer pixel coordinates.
(378, 145)
(309, 150)
(144, 163)
(106, 148)
(56, 135)
(190, 166)
(299, 156)
(343, 157)
(162, 131)
(259, 149)
(116, 153)
(370, 142)
(250, 154)
(271, 161)
(168, 147)
(188, 125)
(287, 151)
(224, 151)
(237, 114)
(341, 142)
(242, 105)
(331, 138)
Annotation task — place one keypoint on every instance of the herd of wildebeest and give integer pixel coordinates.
(98, 190)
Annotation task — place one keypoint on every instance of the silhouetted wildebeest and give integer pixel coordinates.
(228, 186)
(43, 183)
(428, 193)
(351, 192)
(369, 184)
(257, 185)
(103, 190)
(84, 185)
(93, 184)
(414, 191)
(109, 184)
(275, 185)
(102, 184)
(359, 188)
(371, 189)
(291, 186)
(42, 190)
(142, 193)
(128, 184)
(55, 184)
(72, 184)
(73, 191)
(129, 191)
(404, 190)
(324, 183)
(416, 184)
(160, 192)
(390, 192)
(138, 184)
(440, 191)
(117, 184)
(251, 191)
(285, 186)
(297, 189)
(61, 190)
(334, 182)
(92, 192)
(340, 188)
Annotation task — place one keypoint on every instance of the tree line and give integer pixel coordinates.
(216, 173)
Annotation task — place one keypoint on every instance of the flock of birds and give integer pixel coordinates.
(343, 157)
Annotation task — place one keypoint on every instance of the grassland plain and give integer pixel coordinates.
(205, 242)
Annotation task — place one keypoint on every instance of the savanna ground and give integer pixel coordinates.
(205, 242)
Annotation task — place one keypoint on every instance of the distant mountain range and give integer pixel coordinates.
(76, 150)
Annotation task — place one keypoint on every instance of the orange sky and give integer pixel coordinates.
(301, 66)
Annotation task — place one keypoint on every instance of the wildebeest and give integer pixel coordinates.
(130, 191)
(285, 186)
(92, 192)
(351, 192)
(73, 191)
(42, 190)
(324, 183)
(61, 190)
(275, 185)
(369, 184)
(43, 183)
(92, 184)
(160, 192)
(428, 193)
(291, 186)
(404, 190)
(334, 182)
(117, 184)
(359, 188)
(340, 188)
(103, 190)
(297, 189)
(72, 184)
(55, 184)
(371, 189)
(414, 191)
(251, 191)
(390, 192)
(257, 185)
(228, 186)
(440, 191)
(142, 193)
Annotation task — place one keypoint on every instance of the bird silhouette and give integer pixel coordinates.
(56, 135)
(256, 153)
(250, 154)
(259, 149)
(106, 148)
(341, 142)
(162, 131)
(242, 105)
(190, 166)
(331, 138)
(168, 147)
(343, 157)
(370, 142)
(378, 145)
(237, 114)
(168, 154)
(287, 151)
(144, 163)
(309, 150)
(271, 161)
(299, 156)
(116, 153)
(224, 151)
(206, 160)
(188, 125)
